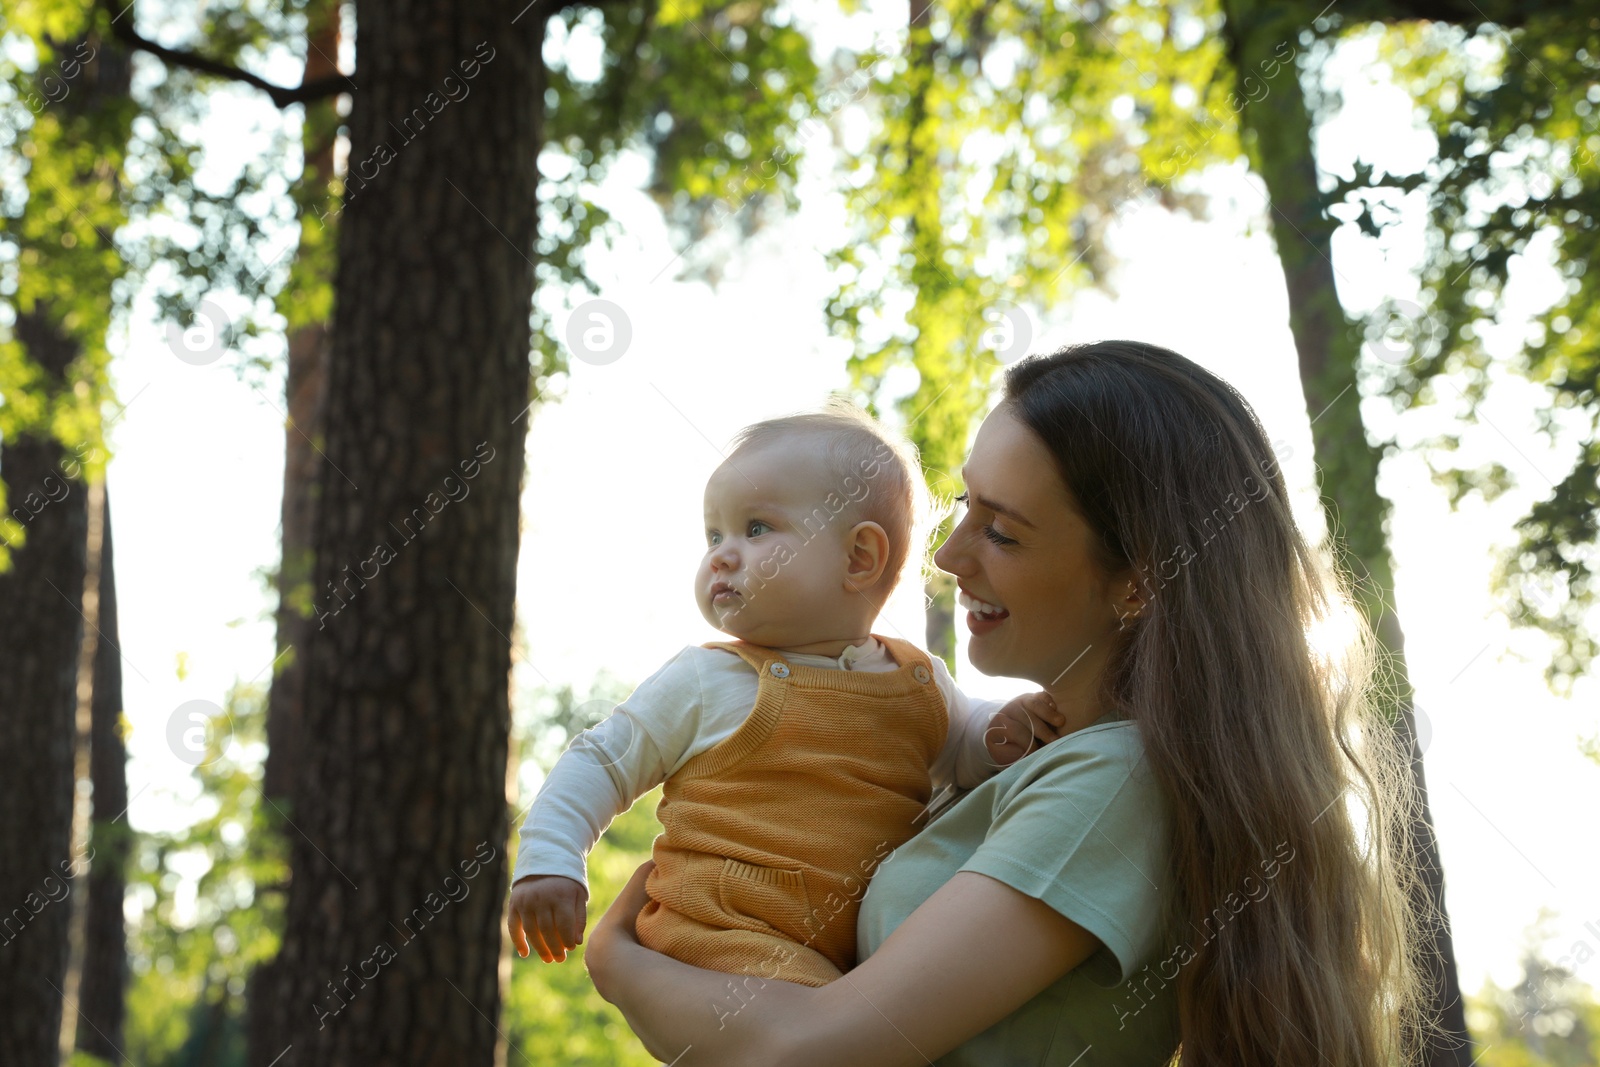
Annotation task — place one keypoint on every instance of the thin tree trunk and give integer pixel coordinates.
(400, 801)
(303, 393)
(310, 275)
(924, 232)
(41, 608)
(82, 774)
(1277, 128)
(40, 630)
(105, 960)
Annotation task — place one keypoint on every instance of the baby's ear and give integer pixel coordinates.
(866, 555)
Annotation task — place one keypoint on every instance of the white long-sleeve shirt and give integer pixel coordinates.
(698, 699)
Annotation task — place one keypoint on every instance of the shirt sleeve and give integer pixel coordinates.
(964, 762)
(1085, 831)
(606, 768)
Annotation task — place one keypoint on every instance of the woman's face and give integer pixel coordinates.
(1036, 606)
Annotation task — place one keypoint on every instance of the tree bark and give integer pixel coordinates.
(393, 927)
(1277, 126)
(40, 629)
(105, 960)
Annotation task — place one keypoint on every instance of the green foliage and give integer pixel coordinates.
(202, 924)
(1548, 1019)
(190, 238)
(1006, 139)
(58, 253)
(552, 1012)
(1517, 115)
(111, 203)
(713, 94)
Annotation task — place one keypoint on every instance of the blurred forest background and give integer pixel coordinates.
(438, 190)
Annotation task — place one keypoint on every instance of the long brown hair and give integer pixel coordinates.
(1257, 692)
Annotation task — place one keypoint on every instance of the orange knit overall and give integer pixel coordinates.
(770, 836)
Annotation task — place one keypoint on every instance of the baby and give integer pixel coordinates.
(797, 757)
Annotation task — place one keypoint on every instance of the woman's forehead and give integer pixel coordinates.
(1007, 456)
(1010, 465)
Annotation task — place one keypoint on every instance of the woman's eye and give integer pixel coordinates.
(989, 531)
(758, 528)
(997, 537)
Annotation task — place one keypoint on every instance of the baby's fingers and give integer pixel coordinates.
(519, 940)
(566, 922)
(1047, 719)
(545, 938)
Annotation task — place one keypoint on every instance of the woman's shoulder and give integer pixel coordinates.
(1109, 746)
(1098, 774)
(1082, 825)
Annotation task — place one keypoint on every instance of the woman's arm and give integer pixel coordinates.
(972, 954)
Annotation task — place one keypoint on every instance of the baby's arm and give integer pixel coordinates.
(986, 736)
(964, 761)
(603, 771)
(1023, 722)
(599, 776)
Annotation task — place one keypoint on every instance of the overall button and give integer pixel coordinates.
(920, 673)
(780, 670)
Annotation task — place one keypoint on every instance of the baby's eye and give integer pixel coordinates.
(713, 538)
(757, 528)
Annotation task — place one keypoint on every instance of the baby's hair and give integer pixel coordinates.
(897, 495)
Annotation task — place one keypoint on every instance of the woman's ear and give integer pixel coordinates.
(1130, 602)
(866, 556)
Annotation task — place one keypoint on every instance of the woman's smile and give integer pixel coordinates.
(982, 616)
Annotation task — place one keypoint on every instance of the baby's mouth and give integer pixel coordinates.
(723, 595)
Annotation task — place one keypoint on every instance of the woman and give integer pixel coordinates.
(1202, 857)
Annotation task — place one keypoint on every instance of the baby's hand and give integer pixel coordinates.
(1014, 727)
(548, 911)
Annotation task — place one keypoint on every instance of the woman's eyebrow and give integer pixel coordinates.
(995, 506)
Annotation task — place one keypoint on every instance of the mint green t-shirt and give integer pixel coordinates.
(1079, 824)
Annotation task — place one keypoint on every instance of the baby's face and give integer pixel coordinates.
(774, 572)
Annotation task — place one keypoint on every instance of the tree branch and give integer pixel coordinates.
(282, 96)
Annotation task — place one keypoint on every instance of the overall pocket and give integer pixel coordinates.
(770, 896)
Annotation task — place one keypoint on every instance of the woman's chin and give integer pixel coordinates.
(989, 656)
(984, 656)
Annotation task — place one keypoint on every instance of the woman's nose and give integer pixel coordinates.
(949, 557)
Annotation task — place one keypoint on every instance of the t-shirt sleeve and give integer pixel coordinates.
(1085, 831)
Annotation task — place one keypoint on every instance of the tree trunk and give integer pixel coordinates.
(311, 272)
(1276, 125)
(393, 926)
(40, 630)
(82, 771)
(105, 958)
(311, 275)
(930, 349)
